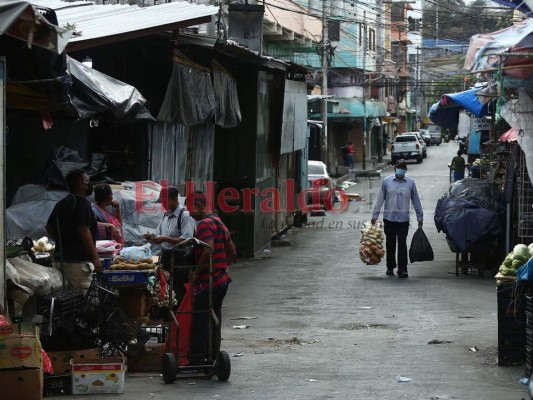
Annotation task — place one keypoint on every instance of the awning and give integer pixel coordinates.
(20, 20)
(100, 24)
(485, 49)
(524, 6)
(445, 112)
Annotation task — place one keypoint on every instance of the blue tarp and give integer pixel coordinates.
(519, 5)
(445, 112)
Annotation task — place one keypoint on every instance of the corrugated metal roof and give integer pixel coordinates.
(114, 22)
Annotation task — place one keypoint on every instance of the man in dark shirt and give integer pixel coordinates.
(77, 232)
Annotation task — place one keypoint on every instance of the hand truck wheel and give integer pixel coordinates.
(223, 366)
(170, 368)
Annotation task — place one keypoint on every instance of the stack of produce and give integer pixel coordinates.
(515, 259)
(371, 246)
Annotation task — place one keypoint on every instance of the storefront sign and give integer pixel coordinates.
(481, 124)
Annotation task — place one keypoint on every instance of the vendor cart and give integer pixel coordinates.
(482, 256)
(217, 361)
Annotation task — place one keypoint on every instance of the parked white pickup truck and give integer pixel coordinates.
(408, 147)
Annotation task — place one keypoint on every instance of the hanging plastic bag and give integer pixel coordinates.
(525, 272)
(420, 249)
(136, 253)
(371, 245)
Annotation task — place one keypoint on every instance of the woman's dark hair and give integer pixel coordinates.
(102, 192)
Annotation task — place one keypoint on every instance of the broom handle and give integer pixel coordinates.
(60, 251)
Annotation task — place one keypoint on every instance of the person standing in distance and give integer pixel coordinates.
(397, 192)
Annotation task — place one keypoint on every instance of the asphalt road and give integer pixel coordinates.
(326, 326)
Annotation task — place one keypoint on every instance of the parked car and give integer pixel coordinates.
(318, 178)
(435, 133)
(426, 136)
(408, 147)
(422, 142)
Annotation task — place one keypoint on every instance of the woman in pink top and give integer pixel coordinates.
(107, 212)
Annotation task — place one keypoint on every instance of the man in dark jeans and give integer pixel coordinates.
(397, 192)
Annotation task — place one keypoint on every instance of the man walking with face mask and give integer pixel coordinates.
(77, 232)
(397, 192)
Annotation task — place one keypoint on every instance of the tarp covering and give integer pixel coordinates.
(470, 212)
(141, 212)
(20, 20)
(484, 49)
(524, 6)
(80, 91)
(445, 112)
(95, 93)
(518, 113)
(190, 97)
(228, 110)
(354, 108)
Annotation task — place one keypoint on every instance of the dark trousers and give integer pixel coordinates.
(200, 323)
(396, 232)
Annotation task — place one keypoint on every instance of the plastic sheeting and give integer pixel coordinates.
(470, 212)
(228, 110)
(479, 192)
(141, 212)
(294, 125)
(94, 93)
(33, 278)
(445, 112)
(169, 153)
(190, 96)
(465, 223)
(203, 145)
(518, 113)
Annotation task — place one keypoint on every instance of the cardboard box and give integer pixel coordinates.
(134, 302)
(61, 359)
(21, 384)
(99, 375)
(149, 359)
(20, 346)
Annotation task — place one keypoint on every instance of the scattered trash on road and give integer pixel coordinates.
(238, 318)
(259, 352)
(440, 342)
(312, 380)
(524, 381)
(192, 383)
(237, 355)
(366, 308)
(474, 349)
(267, 251)
(402, 379)
(241, 326)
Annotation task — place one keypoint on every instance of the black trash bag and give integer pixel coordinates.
(420, 249)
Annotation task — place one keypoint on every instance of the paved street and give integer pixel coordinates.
(329, 327)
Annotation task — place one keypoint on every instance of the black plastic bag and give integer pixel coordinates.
(420, 249)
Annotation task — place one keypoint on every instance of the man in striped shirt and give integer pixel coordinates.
(211, 230)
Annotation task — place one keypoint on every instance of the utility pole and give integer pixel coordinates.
(364, 83)
(418, 108)
(325, 65)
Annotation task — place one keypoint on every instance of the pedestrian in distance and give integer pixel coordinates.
(385, 141)
(458, 166)
(350, 156)
(397, 193)
(344, 154)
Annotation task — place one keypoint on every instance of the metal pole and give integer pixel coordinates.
(364, 84)
(325, 55)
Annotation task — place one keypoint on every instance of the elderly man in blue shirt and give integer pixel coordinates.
(397, 192)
